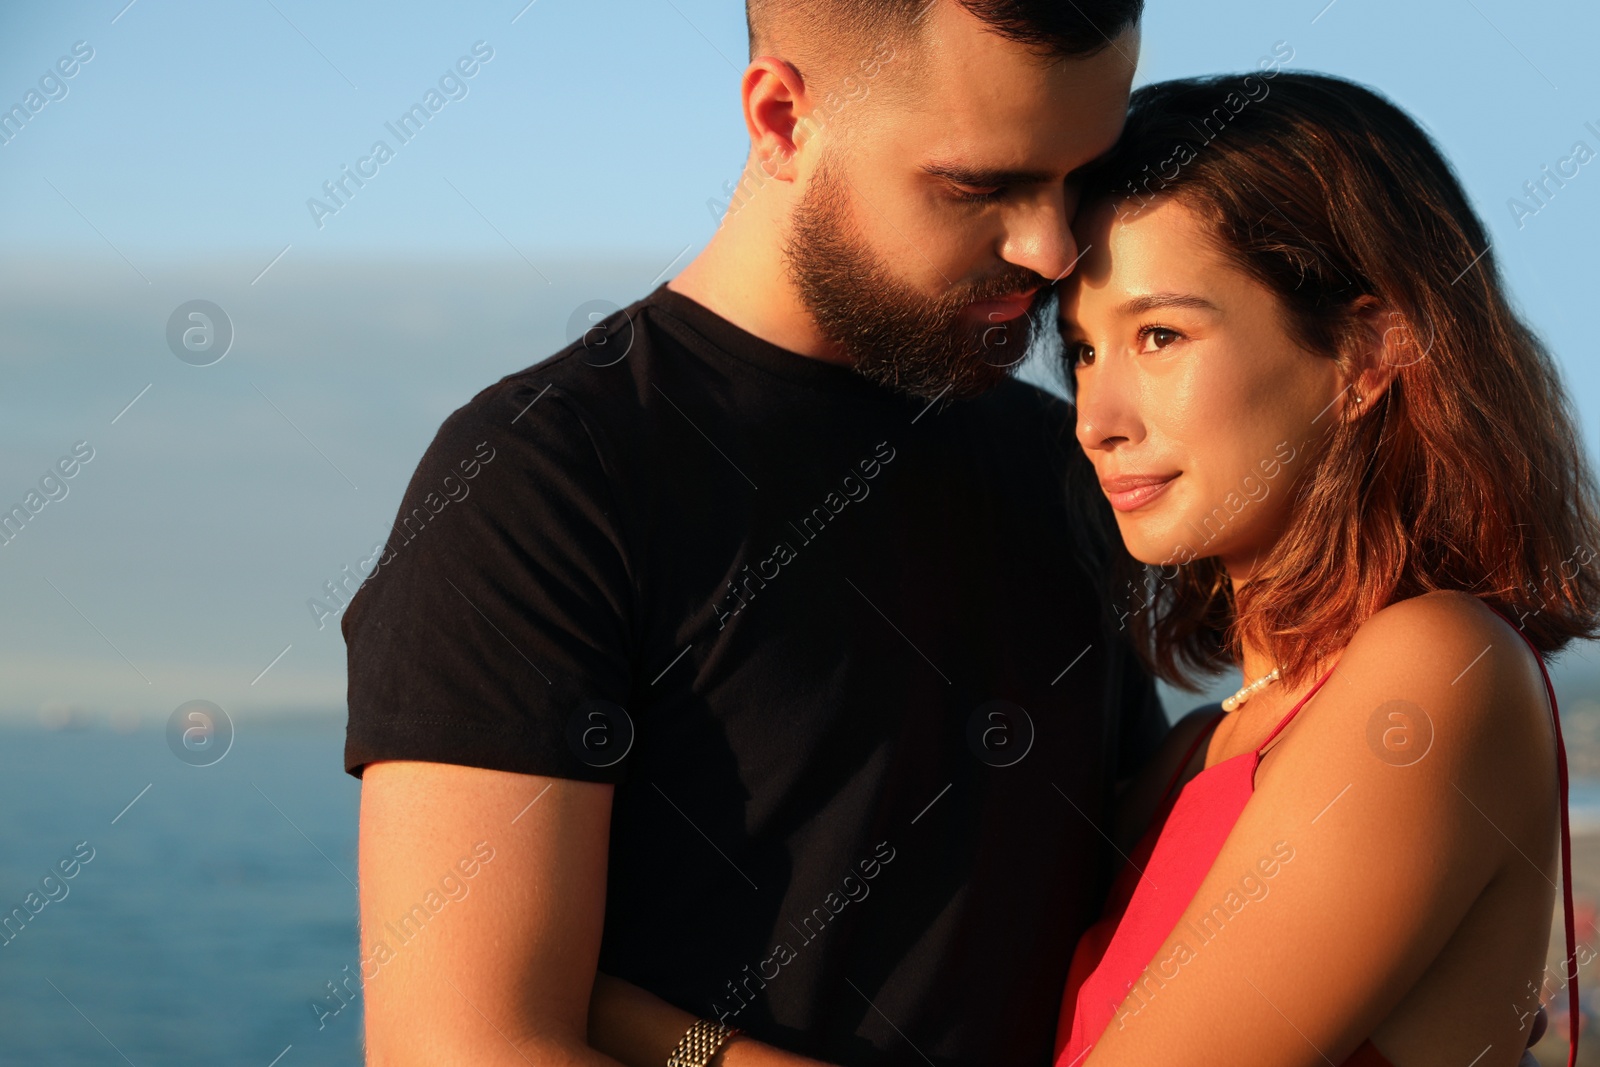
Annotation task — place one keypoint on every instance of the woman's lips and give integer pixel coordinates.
(1133, 491)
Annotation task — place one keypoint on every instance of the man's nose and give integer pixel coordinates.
(1039, 237)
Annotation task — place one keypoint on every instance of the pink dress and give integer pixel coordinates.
(1176, 852)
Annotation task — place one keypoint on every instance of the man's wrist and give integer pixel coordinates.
(700, 1043)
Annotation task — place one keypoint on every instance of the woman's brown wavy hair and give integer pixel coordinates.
(1466, 474)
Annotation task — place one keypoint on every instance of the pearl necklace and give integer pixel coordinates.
(1234, 702)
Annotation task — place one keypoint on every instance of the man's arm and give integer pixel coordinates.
(640, 1029)
(502, 974)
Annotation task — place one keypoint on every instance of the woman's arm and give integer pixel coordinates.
(640, 1029)
(1348, 872)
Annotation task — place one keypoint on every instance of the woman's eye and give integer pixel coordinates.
(1082, 354)
(1157, 337)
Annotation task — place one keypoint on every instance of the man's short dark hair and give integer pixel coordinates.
(1056, 29)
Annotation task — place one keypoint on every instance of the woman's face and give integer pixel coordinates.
(1195, 405)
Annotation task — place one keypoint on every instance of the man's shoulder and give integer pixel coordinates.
(603, 379)
(599, 378)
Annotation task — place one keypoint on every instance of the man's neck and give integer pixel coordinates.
(741, 275)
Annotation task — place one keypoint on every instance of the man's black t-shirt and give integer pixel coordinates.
(842, 652)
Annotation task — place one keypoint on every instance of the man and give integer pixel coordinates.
(752, 650)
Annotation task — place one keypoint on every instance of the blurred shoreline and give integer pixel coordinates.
(1552, 1050)
(71, 718)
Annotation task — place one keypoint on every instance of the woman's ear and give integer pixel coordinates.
(1387, 341)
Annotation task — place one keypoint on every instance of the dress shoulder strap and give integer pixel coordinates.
(1204, 734)
(1571, 963)
(1294, 710)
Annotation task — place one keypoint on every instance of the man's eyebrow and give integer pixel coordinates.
(963, 174)
(1140, 304)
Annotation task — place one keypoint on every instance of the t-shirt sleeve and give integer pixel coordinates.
(494, 631)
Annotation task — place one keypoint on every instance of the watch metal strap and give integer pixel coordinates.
(699, 1043)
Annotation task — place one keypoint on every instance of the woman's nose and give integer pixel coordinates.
(1107, 414)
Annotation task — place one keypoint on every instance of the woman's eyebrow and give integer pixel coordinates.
(1150, 302)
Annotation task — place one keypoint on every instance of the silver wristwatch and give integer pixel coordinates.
(699, 1043)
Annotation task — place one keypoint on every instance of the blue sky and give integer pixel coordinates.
(605, 126)
(575, 164)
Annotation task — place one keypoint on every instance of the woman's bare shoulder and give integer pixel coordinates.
(1444, 676)
(1452, 645)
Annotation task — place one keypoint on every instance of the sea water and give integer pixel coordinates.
(217, 905)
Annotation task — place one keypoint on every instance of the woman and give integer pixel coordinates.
(1349, 469)
(1338, 461)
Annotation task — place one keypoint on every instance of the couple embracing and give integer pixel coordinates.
(797, 660)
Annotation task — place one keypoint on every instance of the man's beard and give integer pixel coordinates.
(893, 334)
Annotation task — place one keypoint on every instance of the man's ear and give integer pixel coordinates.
(1386, 341)
(776, 115)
